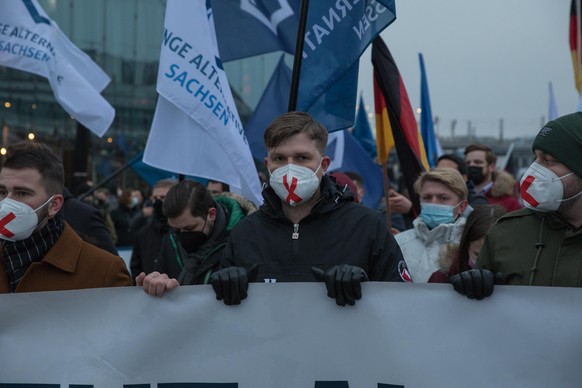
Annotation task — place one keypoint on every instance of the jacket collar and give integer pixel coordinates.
(443, 232)
(554, 221)
(331, 197)
(64, 255)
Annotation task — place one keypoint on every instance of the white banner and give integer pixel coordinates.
(31, 42)
(292, 335)
(196, 128)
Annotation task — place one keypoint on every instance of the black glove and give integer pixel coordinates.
(231, 284)
(343, 282)
(476, 283)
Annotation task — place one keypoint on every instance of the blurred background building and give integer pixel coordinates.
(124, 39)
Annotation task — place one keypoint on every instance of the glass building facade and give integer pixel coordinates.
(124, 38)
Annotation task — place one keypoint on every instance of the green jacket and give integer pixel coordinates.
(534, 248)
(196, 267)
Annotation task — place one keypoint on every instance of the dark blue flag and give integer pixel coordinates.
(335, 108)
(426, 123)
(335, 38)
(275, 100)
(363, 133)
(273, 103)
(247, 28)
(348, 155)
(152, 175)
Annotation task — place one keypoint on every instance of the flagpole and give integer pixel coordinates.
(302, 26)
(132, 161)
(387, 194)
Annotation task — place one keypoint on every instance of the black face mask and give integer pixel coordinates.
(476, 174)
(158, 212)
(158, 215)
(191, 241)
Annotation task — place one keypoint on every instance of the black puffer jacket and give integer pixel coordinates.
(148, 242)
(337, 231)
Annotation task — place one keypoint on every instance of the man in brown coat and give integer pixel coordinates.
(39, 250)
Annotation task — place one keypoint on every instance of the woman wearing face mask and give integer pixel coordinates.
(200, 225)
(443, 199)
(456, 258)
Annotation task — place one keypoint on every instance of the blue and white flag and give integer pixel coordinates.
(348, 155)
(196, 128)
(336, 36)
(250, 27)
(31, 42)
(273, 102)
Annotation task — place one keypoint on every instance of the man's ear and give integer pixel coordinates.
(212, 214)
(325, 162)
(55, 204)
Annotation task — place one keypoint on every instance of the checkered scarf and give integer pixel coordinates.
(19, 255)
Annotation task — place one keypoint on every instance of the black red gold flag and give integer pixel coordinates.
(395, 121)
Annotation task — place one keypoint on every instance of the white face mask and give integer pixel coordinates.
(17, 219)
(294, 184)
(542, 189)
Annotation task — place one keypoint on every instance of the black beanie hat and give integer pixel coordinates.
(562, 138)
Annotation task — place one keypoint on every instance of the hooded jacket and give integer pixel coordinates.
(196, 267)
(534, 248)
(337, 231)
(502, 192)
(422, 246)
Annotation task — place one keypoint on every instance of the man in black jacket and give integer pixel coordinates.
(88, 222)
(308, 228)
(148, 239)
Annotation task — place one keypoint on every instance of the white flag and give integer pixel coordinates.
(196, 129)
(31, 42)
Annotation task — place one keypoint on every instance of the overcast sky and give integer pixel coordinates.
(485, 61)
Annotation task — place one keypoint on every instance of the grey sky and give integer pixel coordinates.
(485, 60)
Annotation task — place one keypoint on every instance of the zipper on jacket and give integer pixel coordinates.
(295, 235)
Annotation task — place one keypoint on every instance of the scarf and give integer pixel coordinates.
(19, 255)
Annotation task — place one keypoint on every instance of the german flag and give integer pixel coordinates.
(395, 121)
(575, 42)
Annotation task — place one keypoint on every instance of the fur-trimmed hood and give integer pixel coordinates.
(504, 184)
(246, 205)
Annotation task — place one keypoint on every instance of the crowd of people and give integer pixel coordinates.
(477, 226)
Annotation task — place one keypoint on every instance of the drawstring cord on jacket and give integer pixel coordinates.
(539, 246)
(340, 194)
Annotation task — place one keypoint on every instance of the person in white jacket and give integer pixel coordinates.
(443, 199)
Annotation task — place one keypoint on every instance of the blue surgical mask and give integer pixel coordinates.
(433, 214)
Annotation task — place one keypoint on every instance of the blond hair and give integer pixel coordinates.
(448, 177)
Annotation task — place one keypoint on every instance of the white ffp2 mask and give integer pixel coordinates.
(294, 184)
(17, 219)
(542, 189)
